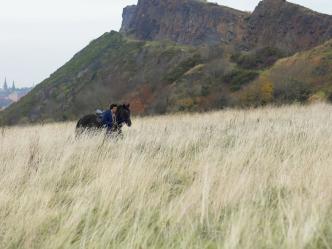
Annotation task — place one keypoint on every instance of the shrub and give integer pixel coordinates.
(182, 68)
(260, 93)
(205, 91)
(185, 104)
(258, 59)
(292, 90)
(239, 77)
(317, 97)
(266, 92)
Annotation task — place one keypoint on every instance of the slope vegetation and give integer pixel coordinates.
(306, 76)
(111, 69)
(154, 76)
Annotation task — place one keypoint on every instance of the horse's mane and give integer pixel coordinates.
(124, 107)
(120, 112)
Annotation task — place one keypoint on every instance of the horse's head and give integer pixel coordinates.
(123, 114)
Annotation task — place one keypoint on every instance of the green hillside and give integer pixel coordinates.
(160, 77)
(111, 69)
(155, 77)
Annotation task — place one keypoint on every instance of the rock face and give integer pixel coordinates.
(184, 21)
(287, 26)
(127, 17)
(274, 23)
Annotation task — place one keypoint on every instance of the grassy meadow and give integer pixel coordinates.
(250, 179)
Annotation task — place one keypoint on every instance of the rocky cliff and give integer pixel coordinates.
(127, 18)
(287, 26)
(184, 21)
(274, 23)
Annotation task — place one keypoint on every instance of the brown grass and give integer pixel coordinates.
(230, 179)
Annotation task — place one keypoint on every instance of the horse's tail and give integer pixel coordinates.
(78, 125)
(79, 129)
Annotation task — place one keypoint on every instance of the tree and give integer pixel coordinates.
(259, 93)
(290, 90)
(266, 90)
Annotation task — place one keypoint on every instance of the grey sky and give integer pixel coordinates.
(39, 36)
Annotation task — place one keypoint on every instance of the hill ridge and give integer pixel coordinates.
(278, 23)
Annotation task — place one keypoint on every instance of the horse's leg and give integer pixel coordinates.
(118, 133)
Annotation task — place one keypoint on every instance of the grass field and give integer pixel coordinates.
(231, 179)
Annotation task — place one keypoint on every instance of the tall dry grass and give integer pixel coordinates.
(230, 179)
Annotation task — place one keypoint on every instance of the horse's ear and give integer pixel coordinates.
(126, 105)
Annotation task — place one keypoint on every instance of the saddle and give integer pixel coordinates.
(99, 114)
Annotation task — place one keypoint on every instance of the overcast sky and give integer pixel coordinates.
(39, 36)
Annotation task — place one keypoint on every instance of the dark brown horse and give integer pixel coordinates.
(92, 122)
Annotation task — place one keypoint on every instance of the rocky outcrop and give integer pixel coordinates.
(184, 21)
(274, 23)
(127, 16)
(287, 26)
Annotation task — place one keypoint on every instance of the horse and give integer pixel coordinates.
(92, 122)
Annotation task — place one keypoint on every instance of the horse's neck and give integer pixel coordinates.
(118, 118)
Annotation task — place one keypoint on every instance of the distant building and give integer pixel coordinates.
(5, 86)
(9, 95)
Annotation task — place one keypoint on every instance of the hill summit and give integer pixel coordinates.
(275, 23)
(183, 21)
(287, 26)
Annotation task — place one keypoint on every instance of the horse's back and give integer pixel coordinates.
(88, 121)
